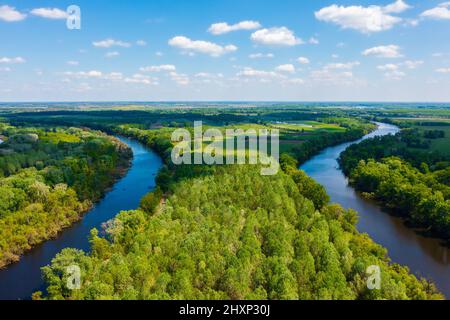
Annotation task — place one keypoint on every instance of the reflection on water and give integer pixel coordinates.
(424, 256)
(20, 280)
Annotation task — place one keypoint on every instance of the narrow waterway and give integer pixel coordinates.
(424, 256)
(20, 280)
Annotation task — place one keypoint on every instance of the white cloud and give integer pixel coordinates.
(303, 60)
(332, 76)
(295, 81)
(112, 54)
(223, 27)
(15, 60)
(388, 67)
(261, 55)
(141, 79)
(163, 67)
(393, 72)
(395, 75)
(412, 64)
(108, 43)
(441, 12)
(141, 43)
(181, 79)
(50, 13)
(281, 36)
(10, 14)
(443, 70)
(113, 76)
(200, 46)
(313, 40)
(93, 74)
(390, 51)
(289, 68)
(397, 7)
(335, 73)
(208, 75)
(342, 66)
(363, 19)
(73, 63)
(5, 69)
(252, 73)
(84, 74)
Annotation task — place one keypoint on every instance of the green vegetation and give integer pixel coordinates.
(48, 179)
(226, 232)
(409, 174)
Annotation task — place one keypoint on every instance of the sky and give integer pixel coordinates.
(225, 50)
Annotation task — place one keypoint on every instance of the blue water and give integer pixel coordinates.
(20, 280)
(424, 256)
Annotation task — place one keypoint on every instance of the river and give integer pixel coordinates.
(20, 280)
(424, 256)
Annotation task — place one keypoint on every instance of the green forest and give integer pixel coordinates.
(407, 175)
(49, 177)
(226, 232)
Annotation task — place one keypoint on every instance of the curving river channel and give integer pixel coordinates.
(424, 256)
(20, 280)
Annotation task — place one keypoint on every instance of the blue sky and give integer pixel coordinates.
(353, 50)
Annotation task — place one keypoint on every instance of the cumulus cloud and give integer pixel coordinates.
(208, 75)
(73, 63)
(313, 40)
(278, 36)
(363, 19)
(294, 81)
(390, 51)
(10, 14)
(84, 74)
(394, 72)
(443, 70)
(412, 64)
(332, 77)
(141, 79)
(342, 66)
(441, 12)
(223, 27)
(112, 54)
(253, 73)
(303, 60)
(141, 43)
(108, 43)
(200, 46)
(15, 60)
(163, 67)
(50, 13)
(261, 55)
(288, 68)
(397, 7)
(335, 73)
(180, 78)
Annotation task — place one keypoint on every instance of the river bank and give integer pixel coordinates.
(425, 257)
